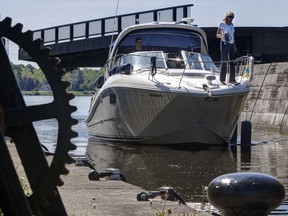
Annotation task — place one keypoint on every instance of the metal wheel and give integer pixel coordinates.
(17, 120)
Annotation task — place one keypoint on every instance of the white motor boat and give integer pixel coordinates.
(167, 93)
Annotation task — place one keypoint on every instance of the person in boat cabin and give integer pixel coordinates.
(228, 47)
(138, 44)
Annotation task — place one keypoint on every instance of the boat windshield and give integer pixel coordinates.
(165, 39)
(199, 61)
(142, 60)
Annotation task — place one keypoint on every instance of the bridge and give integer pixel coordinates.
(86, 44)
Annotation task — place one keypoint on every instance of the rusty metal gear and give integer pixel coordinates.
(18, 118)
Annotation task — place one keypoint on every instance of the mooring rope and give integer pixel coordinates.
(259, 91)
(281, 124)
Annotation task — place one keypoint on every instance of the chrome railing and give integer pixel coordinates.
(142, 62)
(244, 67)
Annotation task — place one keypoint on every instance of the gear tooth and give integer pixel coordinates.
(73, 108)
(74, 121)
(71, 145)
(66, 84)
(18, 27)
(60, 182)
(70, 160)
(58, 62)
(74, 134)
(46, 51)
(55, 62)
(50, 68)
(29, 34)
(54, 193)
(70, 96)
(65, 171)
(38, 42)
(60, 71)
(7, 21)
(44, 203)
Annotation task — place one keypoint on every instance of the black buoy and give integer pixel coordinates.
(245, 194)
(246, 131)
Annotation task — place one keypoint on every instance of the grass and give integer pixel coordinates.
(94, 206)
(168, 211)
(26, 188)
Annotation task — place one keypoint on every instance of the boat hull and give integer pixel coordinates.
(164, 118)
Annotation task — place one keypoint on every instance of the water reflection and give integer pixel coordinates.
(187, 171)
(152, 167)
(266, 157)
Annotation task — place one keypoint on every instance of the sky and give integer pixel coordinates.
(37, 14)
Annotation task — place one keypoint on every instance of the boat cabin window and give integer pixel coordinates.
(199, 61)
(193, 61)
(142, 60)
(208, 63)
(175, 61)
(168, 40)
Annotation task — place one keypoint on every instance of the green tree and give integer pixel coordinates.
(30, 78)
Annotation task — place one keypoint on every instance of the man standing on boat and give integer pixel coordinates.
(228, 48)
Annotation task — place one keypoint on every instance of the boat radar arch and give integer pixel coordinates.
(187, 20)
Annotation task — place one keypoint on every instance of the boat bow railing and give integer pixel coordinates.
(244, 67)
(186, 64)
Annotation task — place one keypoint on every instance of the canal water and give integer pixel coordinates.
(151, 167)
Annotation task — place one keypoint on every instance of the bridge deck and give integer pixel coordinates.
(86, 44)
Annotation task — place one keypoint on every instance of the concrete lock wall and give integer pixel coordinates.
(267, 103)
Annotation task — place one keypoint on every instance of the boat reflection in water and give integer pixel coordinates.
(151, 167)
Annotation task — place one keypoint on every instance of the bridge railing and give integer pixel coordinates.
(109, 25)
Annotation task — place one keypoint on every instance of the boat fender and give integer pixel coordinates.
(122, 69)
(126, 69)
(99, 82)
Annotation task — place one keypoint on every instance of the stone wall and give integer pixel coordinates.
(267, 103)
